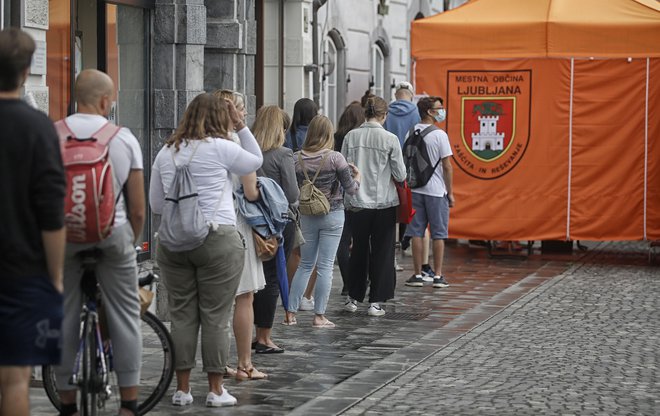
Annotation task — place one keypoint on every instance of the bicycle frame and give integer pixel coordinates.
(95, 380)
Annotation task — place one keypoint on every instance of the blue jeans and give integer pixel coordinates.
(322, 234)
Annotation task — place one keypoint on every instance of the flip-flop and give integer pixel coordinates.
(265, 349)
(327, 324)
(250, 374)
(290, 323)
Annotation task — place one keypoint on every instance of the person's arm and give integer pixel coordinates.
(250, 189)
(397, 166)
(136, 202)
(349, 175)
(156, 191)
(248, 158)
(47, 193)
(288, 177)
(54, 243)
(448, 175)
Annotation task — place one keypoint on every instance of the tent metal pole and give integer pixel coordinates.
(646, 141)
(570, 153)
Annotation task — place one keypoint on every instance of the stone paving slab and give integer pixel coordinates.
(363, 352)
(586, 343)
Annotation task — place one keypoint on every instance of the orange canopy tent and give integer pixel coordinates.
(551, 114)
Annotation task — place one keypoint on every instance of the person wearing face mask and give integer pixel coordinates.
(372, 210)
(433, 200)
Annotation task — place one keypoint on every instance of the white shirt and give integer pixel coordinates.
(438, 147)
(125, 154)
(209, 166)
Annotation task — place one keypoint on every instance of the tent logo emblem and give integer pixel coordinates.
(488, 126)
(490, 131)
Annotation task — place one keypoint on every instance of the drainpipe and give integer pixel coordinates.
(315, 50)
(280, 63)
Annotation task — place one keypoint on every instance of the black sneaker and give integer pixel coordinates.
(415, 281)
(427, 273)
(440, 282)
(405, 243)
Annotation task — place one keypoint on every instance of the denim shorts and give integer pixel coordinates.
(30, 321)
(432, 211)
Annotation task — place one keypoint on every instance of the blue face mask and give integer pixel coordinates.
(440, 117)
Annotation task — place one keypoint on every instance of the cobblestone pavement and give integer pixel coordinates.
(585, 343)
(376, 365)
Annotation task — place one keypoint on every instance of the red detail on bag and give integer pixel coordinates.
(89, 207)
(405, 210)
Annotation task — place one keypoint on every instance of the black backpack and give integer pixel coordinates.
(419, 167)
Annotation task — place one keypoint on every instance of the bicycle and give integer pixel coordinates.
(92, 372)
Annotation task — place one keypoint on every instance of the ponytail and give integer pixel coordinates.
(375, 107)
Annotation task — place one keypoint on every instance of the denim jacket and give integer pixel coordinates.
(270, 213)
(377, 154)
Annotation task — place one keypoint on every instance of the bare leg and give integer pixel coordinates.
(309, 291)
(417, 250)
(243, 319)
(127, 394)
(264, 337)
(215, 382)
(438, 256)
(15, 391)
(426, 247)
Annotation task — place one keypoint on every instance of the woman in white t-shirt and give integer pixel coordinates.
(201, 283)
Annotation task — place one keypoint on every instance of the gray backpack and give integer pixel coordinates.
(182, 224)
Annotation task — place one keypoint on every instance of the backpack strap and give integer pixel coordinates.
(106, 133)
(304, 169)
(63, 130)
(196, 146)
(426, 131)
(103, 135)
(325, 156)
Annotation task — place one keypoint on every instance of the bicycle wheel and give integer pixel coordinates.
(157, 362)
(156, 375)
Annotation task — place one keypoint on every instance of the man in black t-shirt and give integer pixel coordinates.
(32, 234)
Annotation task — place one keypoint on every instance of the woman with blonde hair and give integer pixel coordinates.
(269, 127)
(321, 232)
(201, 282)
(252, 278)
(372, 211)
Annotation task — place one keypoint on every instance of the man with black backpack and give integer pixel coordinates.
(427, 153)
(104, 212)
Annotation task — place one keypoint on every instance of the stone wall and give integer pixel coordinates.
(231, 47)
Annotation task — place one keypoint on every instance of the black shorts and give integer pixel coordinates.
(30, 321)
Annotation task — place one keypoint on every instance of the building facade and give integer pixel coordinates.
(333, 51)
(162, 53)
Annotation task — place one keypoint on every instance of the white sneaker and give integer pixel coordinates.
(181, 398)
(225, 399)
(375, 310)
(397, 266)
(350, 305)
(306, 304)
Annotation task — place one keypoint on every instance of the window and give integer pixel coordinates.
(378, 70)
(329, 85)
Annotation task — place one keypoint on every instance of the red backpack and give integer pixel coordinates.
(89, 207)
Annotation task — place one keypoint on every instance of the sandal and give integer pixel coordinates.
(290, 322)
(326, 324)
(250, 374)
(229, 372)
